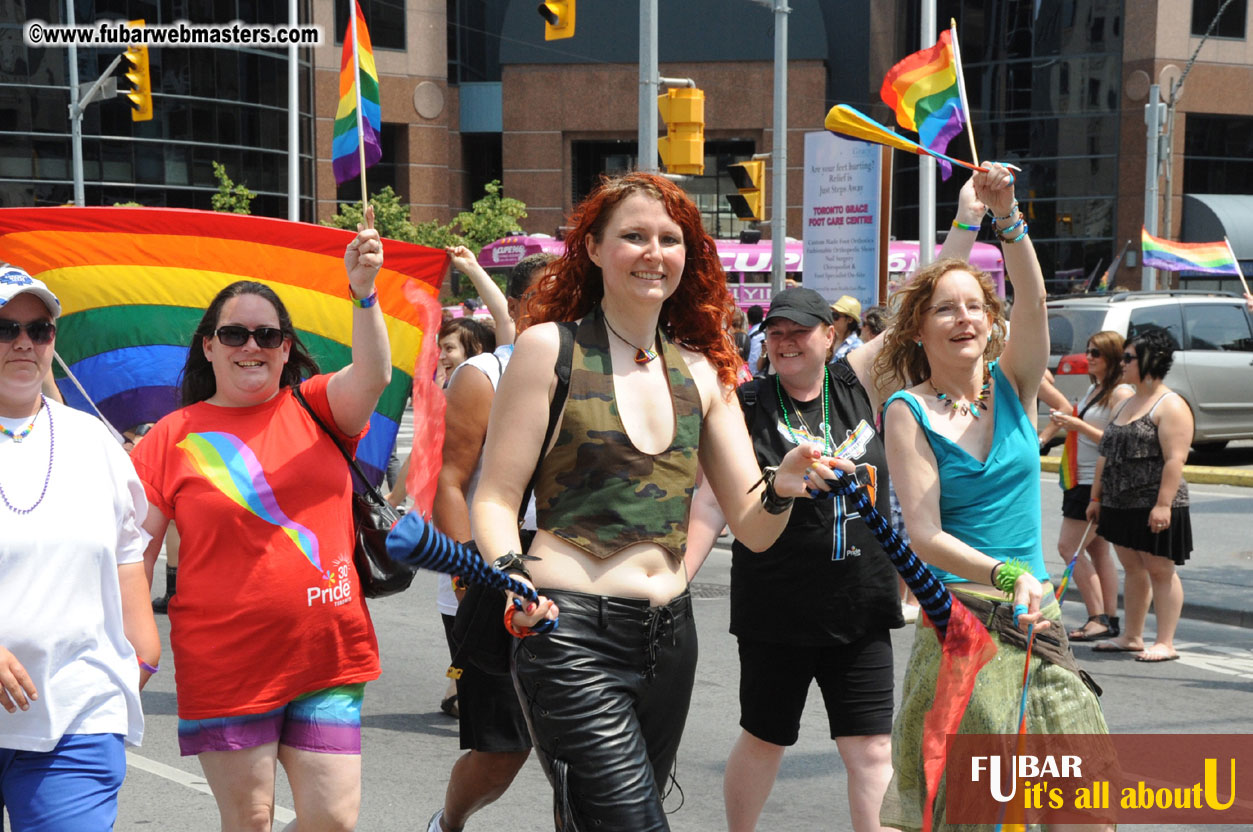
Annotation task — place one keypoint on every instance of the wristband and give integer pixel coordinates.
(1016, 239)
(1009, 229)
(965, 226)
(770, 499)
(152, 669)
(1008, 575)
(363, 303)
(992, 576)
(1095, 500)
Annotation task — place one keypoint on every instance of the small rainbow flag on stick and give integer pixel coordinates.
(1209, 258)
(925, 92)
(850, 122)
(358, 119)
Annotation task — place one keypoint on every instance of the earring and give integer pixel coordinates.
(918, 343)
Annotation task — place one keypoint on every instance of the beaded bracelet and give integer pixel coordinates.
(1008, 575)
(363, 303)
(516, 632)
(1016, 239)
(151, 668)
(965, 226)
(1013, 209)
(1009, 229)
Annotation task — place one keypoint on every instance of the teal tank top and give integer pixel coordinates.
(993, 506)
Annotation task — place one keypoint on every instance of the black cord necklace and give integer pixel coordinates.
(643, 355)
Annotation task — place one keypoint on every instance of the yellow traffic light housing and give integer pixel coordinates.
(140, 93)
(558, 19)
(683, 147)
(750, 178)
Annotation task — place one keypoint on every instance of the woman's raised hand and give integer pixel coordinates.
(364, 256)
(995, 189)
(970, 209)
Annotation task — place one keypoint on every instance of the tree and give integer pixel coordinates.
(231, 198)
(391, 217)
(490, 218)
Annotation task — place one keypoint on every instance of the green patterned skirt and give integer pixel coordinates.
(1058, 702)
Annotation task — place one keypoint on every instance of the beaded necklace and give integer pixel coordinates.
(52, 443)
(826, 411)
(963, 407)
(643, 355)
(24, 432)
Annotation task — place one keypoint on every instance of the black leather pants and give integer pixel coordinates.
(606, 698)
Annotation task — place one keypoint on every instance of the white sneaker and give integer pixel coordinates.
(910, 612)
(434, 825)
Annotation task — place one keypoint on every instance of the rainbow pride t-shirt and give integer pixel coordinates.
(268, 607)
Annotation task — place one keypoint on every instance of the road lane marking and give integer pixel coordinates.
(191, 781)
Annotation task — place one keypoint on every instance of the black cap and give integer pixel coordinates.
(803, 306)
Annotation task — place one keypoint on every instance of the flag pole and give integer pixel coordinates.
(1239, 271)
(356, 87)
(961, 90)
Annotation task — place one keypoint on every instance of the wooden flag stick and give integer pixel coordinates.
(356, 88)
(1239, 271)
(961, 90)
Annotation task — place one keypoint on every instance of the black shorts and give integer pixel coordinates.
(1075, 502)
(855, 679)
(491, 718)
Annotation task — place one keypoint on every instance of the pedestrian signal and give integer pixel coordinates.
(750, 178)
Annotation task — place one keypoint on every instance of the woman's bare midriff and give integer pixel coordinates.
(645, 570)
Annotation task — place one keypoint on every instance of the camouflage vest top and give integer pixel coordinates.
(595, 489)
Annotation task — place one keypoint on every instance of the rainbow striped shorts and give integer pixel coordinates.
(326, 721)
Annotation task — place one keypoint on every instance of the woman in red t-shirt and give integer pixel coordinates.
(272, 639)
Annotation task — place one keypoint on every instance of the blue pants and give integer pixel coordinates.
(72, 788)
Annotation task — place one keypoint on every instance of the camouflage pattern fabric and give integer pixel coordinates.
(597, 490)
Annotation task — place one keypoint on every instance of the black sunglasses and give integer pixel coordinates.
(1094, 353)
(1127, 357)
(267, 337)
(40, 332)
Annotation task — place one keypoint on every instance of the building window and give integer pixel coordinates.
(1218, 154)
(1230, 25)
(384, 18)
(394, 141)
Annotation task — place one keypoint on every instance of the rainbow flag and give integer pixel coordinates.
(924, 93)
(358, 114)
(1209, 258)
(131, 300)
(850, 122)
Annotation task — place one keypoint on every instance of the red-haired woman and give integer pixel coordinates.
(607, 693)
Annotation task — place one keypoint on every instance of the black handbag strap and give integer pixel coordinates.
(565, 358)
(352, 463)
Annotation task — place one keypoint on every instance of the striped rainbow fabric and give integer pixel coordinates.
(134, 284)
(922, 90)
(358, 111)
(1209, 258)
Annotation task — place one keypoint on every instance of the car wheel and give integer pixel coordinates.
(1209, 447)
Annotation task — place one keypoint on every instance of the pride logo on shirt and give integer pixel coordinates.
(233, 469)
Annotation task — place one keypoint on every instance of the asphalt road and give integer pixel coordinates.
(410, 745)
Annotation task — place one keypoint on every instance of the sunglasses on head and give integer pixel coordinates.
(267, 337)
(40, 332)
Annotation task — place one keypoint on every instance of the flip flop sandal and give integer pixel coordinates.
(1110, 647)
(1099, 635)
(1155, 659)
(449, 706)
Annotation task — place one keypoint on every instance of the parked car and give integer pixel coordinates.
(1213, 368)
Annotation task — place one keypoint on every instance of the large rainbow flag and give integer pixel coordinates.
(358, 114)
(1209, 258)
(924, 92)
(134, 283)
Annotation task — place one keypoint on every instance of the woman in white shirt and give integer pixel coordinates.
(77, 636)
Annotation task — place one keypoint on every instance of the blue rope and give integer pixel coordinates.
(932, 595)
(413, 540)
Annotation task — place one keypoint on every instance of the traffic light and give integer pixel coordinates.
(750, 178)
(141, 81)
(558, 19)
(683, 147)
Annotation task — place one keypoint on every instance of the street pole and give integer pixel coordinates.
(778, 155)
(926, 164)
(293, 121)
(76, 114)
(648, 87)
(1153, 120)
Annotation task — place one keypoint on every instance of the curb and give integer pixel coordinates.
(1207, 474)
(1193, 611)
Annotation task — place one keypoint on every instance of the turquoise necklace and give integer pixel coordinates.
(826, 411)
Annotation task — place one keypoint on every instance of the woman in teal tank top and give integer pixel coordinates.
(962, 449)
